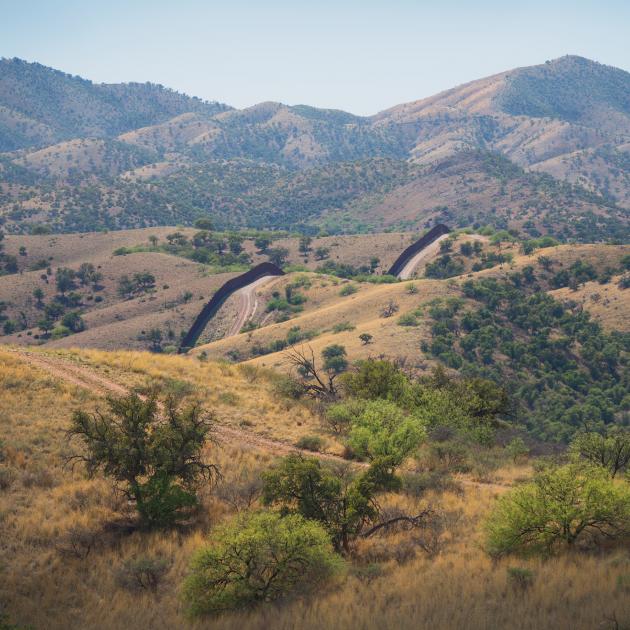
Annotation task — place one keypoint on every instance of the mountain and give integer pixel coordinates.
(545, 149)
(569, 117)
(39, 105)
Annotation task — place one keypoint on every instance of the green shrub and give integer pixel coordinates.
(348, 289)
(610, 451)
(561, 508)
(288, 387)
(339, 416)
(343, 327)
(256, 558)
(384, 431)
(154, 458)
(310, 443)
(375, 378)
(343, 503)
(60, 331)
(335, 358)
(517, 449)
(408, 319)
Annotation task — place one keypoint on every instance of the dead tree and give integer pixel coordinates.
(317, 383)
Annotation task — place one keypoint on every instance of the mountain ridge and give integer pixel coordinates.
(162, 141)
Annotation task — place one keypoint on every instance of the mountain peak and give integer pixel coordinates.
(570, 88)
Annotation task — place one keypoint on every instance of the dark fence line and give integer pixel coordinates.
(210, 309)
(432, 235)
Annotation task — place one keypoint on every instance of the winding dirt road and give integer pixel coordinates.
(407, 271)
(97, 384)
(248, 304)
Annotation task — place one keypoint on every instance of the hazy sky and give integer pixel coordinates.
(361, 56)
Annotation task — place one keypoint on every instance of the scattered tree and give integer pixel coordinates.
(257, 558)
(73, 322)
(154, 337)
(561, 507)
(262, 243)
(335, 358)
(610, 451)
(38, 294)
(153, 455)
(305, 245)
(321, 253)
(278, 255)
(64, 279)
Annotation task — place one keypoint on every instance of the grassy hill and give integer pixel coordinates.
(470, 322)
(182, 281)
(89, 526)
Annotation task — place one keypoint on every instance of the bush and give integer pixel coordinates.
(73, 321)
(560, 508)
(58, 332)
(344, 504)
(624, 281)
(287, 387)
(143, 573)
(156, 461)
(339, 416)
(517, 449)
(384, 431)
(257, 558)
(310, 443)
(343, 327)
(375, 378)
(408, 319)
(335, 358)
(348, 289)
(611, 451)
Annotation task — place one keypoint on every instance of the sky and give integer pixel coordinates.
(359, 56)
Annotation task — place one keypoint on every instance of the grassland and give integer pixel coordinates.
(51, 515)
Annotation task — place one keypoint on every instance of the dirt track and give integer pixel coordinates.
(408, 270)
(81, 376)
(248, 304)
(99, 385)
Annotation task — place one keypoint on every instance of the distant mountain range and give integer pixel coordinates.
(544, 149)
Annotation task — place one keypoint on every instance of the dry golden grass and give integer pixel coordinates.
(243, 396)
(361, 310)
(325, 308)
(48, 512)
(607, 303)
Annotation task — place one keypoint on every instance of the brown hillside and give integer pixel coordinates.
(362, 312)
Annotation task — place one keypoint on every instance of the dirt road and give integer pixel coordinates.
(99, 385)
(248, 304)
(82, 376)
(408, 270)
